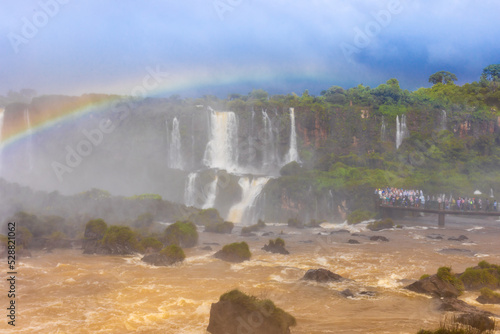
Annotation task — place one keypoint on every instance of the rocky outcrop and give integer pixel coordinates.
(276, 246)
(435, 287)
(379, 238)
(236, 312)
(459, 238)
(235, 252)
(321, 276)
(158, 259)
(353, 241)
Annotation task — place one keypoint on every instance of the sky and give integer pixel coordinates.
(197, 47)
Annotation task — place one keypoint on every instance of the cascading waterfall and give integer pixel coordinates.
(251, 189)
(293, 154)
(491, 193)
(443, 120)
(190, 190)
(401, 130)
(269, 153)
(211, 194)
(383, 130)
(30, 138)
(175, 149)
(222, 149)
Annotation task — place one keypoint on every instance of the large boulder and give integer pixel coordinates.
(321, 276)
(235, 252)
(488, 297)
(435, 287)
(166, 257)
(236, 312)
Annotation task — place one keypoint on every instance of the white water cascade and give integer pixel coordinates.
(1, 144)
(383, 130)
(269, 146)
(175, 149)
(293, 154)
(251, 190)
(443, 120)
(211, 194)
(401, 130)
(190, 190)
(222, 149)
(30, 138)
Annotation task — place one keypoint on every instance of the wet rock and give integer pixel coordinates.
(435, 287)
(158, 259)
(207, 248)
(236, 312)
(340, 231)
(435, 236)
(359, 235)
(456, 251)
(276, 247)
(476, 320)
(347, 293)
(459, 238)
(353, 242)
(379, 238)
(368, 293)
(321, 276)
(211, 243)
(266, 234)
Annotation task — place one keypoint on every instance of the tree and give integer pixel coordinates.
(491, 72)
(259, 94)
(443, 77)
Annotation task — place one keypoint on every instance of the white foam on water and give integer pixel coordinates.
(481, 255)
(475, 228)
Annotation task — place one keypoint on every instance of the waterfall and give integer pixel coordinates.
(250, 192)
(222, 149)
(1, 144)
(190, 190)
(401, 130)
(443, 120)
(211, 194)
(30, 138)
(175, 149)
(269, 145)
(292, 154)
(383, 130)
(491, 191)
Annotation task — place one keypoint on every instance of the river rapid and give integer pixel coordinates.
(68, 292)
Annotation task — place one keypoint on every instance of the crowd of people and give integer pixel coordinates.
(416, 198)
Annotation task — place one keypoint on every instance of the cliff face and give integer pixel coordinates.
(126, 148)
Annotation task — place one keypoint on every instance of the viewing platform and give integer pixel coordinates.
(386, 211)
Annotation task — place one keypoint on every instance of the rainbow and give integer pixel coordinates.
(52, 115)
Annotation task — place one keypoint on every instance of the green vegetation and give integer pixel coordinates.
(181, 233)
(121, 237)
(95, 229)
(358, 216)
(224, 227)
(206, 217)
(253, 228)
(484, 275)
(295, 222)
(424, 276)
(445, 274)
(380, 225)
(151, 242)
(146, 197)
(174, 253)
(473, 324)
(277, 242)
(145, 220)
(238, 251)
(489, 296)
(266, 306)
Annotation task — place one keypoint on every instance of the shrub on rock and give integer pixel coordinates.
(380, 225)
(488, 297)
(233, 306)
(295, 222)
(152, 243)
(358, 216)
(321, 275)
(276, 246)
(181, 233)
(166, 257)
(224, 227)
(235, 252)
